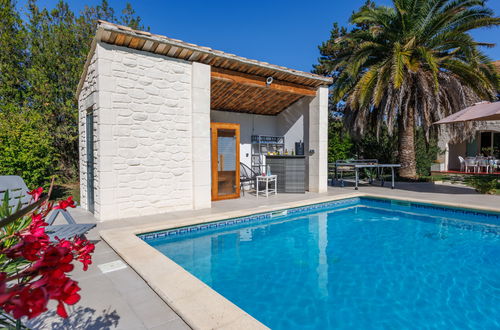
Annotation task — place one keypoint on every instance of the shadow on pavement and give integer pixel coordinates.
(79, 318)
(423, 187)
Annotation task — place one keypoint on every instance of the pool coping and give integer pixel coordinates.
(196, 303)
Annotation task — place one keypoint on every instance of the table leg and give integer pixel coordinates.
(276, 186)
(257, 188)
(267, 188)
(392, 172)
(336, 176)
(357, 178)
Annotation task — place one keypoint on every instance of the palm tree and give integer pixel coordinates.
(412, 64)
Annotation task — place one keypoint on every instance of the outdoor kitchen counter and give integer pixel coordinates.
(290, 171)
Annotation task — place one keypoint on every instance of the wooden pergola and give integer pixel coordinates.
(240, 92)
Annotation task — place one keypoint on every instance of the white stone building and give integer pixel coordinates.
(485, 141)
(146, 104)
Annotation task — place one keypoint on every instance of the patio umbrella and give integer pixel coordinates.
(478, 112)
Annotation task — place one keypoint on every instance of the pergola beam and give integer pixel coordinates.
(256, 81)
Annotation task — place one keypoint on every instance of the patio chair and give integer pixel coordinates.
(18, 199)
(483, 163)
(495, 165)
(16, 188)
(462, 163)
(247, 175)
(471, 162)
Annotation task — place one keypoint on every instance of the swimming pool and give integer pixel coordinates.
(355, 263)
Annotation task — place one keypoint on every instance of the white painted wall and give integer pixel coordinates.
(318, 141)
(250, 124)
(293, 123)
(202, 176)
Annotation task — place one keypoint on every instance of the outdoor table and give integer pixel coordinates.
(267, 179)
(379, 167)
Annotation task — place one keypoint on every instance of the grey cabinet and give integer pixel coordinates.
(290, 171)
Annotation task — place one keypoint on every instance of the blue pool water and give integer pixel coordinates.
(358, 264)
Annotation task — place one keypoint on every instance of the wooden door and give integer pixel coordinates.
(225, 139)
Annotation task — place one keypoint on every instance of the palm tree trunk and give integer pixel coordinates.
(406, 128)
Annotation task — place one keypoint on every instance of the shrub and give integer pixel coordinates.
(425, 152)
(384, 147)
(26, 147)
(339, 141)
(487, 184)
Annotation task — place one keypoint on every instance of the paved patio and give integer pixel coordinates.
(115, 297)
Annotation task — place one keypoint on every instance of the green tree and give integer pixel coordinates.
(339, 141)
(409, 65)
(41, 61)
(129, 18)
(426, 151)
(377, 145)
(12, 56)
(55, 64)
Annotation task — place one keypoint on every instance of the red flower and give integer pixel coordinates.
(55, 257)
(83, 248)
(27, 301)
(4, 294)
(44, 274)
(63, 205)
(37, 220)
(68, 295)
(29, 248)
(36, 193)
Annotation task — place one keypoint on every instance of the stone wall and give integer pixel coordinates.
(87, 102)
(144, 134)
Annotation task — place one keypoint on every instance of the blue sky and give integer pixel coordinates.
(281, 32)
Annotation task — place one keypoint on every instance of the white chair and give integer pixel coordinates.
(471, 162)
(462, 163)
(483, 163)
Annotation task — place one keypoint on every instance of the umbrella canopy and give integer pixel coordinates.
(478, 112)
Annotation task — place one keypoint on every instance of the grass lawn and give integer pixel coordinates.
(64, 190)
